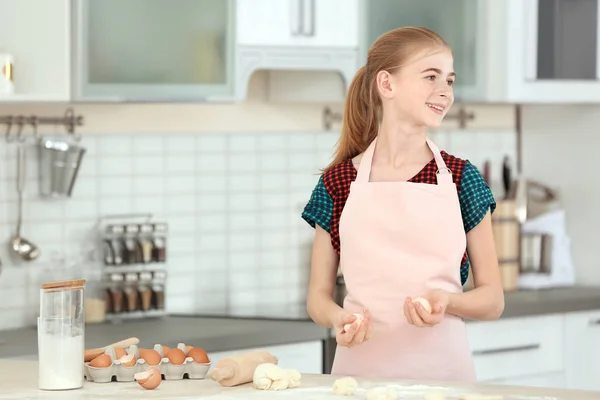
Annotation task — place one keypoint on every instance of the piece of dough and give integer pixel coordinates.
(295, 378)
(270, 376)
(481, 397)
(345, 386)
(434, 396)
(359, 319)
(382, 393)
(424, 303)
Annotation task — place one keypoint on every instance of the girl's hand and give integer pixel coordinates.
(417, 315)
(356, 334)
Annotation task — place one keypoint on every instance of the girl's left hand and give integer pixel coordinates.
(417, 315)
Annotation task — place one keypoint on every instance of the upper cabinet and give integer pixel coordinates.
(511, 51)
(297, 35)
(562, 53)
(35, 34)
(145, 50)
(457, 21)
(517, 51)
(297, 23)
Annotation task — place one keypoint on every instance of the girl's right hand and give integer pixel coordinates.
(356, 334)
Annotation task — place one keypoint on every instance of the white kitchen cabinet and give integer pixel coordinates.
(512, 51)
(306, 357)
(515, 348)
(153, 50)
(458, 21)
(582, 350)
(297, 23)
(37, 34)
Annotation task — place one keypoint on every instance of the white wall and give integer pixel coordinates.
(229, 179)
(560, 148)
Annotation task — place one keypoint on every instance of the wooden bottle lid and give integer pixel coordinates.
(64, 284)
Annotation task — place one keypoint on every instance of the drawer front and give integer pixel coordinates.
(306, 357)
(516, 347)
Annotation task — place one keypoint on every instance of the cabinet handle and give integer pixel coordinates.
(296, 16)
(595, 322)
(310, 5)
(506, 349)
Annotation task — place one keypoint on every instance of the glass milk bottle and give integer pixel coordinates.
(61, 335)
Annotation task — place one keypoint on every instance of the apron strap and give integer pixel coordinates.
(443, 173)
(364, 169)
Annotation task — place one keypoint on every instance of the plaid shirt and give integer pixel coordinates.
(331, 192)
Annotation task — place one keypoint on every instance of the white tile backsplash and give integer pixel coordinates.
(232, 201)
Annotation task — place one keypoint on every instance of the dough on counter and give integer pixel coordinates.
(345, 386)
(434, 396)
(481, 397)
(270, 376)
(359, 319)
(382, 393)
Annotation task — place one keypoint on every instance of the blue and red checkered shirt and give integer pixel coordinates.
(329, 196)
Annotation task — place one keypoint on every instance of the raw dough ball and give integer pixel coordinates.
(423, 302)
(482, 397)
(345, 386)
(434, 396)
(295, 378)
(382, 393)
(359, 320)
(270, 376)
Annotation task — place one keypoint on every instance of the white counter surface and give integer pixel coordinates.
(18, 381)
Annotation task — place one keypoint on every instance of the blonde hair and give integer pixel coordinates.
(363, 107)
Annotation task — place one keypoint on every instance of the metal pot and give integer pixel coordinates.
(59, 165)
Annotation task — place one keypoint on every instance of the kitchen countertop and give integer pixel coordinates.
(224, 333)
(212, 334)
(19, 381)
(524, 303)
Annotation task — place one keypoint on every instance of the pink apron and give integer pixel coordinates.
(402, 239)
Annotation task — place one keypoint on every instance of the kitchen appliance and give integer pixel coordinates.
(59, 164)
(536, 252)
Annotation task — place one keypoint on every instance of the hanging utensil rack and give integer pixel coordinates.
(69, 120)
(462, 115)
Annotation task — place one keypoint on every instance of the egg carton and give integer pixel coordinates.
(121, 373)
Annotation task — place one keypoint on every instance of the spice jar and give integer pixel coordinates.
(95, 303)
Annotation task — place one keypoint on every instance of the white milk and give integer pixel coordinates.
(60, 361)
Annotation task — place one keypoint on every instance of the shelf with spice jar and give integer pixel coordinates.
(134, 266)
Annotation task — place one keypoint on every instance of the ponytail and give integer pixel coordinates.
(360, 122)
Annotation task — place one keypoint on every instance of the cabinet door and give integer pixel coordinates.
(561, 57)
(582, 350)
(154, 49)
(288, 23)
(306, 357)
(457, 21)
(37, 35)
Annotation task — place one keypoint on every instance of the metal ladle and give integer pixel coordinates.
(20, 246)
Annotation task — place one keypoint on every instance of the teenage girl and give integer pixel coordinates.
(399, 217)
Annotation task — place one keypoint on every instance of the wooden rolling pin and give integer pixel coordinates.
(89, 355)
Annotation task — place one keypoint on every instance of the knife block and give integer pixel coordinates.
(507, 237)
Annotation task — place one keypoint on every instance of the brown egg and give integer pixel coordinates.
(102, 361)
(176, 356)
(151, 356)
(188, 348)
(149, 379)
(128, 360)
(166, 350)
(199, 355)
(120, 352)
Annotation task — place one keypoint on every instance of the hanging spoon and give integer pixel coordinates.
(22, 247)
